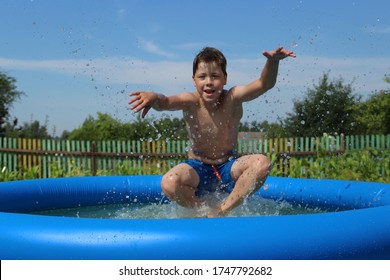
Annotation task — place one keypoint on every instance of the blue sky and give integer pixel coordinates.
(76, 58)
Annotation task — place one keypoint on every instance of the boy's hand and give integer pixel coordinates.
(142, 100)
(278, 54)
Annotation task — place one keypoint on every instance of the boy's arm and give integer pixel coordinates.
(145, 100)
(267, 78)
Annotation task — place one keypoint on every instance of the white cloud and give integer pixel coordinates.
(191, 46)
(166, 74)
(58, 65)
(121, 15)
(376, 30)
(152, 48)
(366, 73)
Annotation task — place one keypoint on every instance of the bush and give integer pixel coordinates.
(369, 165)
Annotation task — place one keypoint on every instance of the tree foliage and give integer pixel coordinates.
(33, 129)
(326, 108)
(8, 95)
(373, 115)
(105, 127)
(270, 130)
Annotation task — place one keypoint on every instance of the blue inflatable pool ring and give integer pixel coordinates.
(359, 229)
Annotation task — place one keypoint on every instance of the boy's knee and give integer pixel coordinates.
(169, 183)
(262, 166)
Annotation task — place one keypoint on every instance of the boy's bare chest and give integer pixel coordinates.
(211, 124)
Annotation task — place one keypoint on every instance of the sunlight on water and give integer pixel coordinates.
(253, 206)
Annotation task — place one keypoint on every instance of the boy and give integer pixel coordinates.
(212, 115)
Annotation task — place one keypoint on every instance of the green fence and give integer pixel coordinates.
(51, 157)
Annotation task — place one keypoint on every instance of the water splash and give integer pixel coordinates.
(253, 206)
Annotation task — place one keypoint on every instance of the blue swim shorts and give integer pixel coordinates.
(213, 177)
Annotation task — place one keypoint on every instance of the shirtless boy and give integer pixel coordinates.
(212, 115)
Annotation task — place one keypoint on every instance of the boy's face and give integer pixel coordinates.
(209, 81)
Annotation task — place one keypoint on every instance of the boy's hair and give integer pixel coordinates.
(208, 55)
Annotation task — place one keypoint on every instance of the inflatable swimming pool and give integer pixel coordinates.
(359, 229)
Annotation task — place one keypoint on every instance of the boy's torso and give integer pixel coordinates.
(213, 132)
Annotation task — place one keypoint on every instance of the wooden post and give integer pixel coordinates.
(93, 159)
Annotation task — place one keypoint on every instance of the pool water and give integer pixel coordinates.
(253, 206)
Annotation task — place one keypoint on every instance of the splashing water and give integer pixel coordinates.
(253, 206)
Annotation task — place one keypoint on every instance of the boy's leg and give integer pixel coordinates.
(249, 172)
(179, 184)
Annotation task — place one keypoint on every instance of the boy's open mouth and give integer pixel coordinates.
(209, 92)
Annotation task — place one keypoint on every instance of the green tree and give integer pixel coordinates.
(104, 127)
(270, 130)
(33, 129)
(170, 129)
(273, 130)
(8, 95)
(373, 115)
(326, 108)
